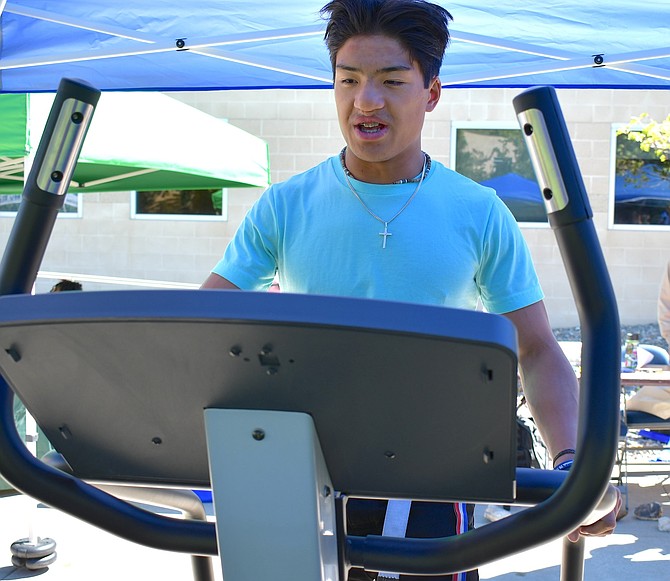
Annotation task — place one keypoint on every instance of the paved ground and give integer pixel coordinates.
(84, 553)
(638, 550)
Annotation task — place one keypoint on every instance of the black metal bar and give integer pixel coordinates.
(185, 501)
(43, 195)
(572, 568)
(570, 216)
(571, 219)
(89, 504)
(202, 568)
(47, 184)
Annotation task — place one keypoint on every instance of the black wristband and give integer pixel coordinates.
(563, 453)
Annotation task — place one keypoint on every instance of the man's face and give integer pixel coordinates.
(381, 101)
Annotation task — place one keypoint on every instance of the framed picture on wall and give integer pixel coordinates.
(180, 204)
(640, 186)
(497, 157)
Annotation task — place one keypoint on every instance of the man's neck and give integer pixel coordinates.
(384, 172)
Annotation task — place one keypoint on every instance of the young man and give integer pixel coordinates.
(382, 220)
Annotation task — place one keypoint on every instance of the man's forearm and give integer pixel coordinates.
(552, 393)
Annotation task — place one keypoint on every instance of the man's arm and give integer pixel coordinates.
(552, 393)
(214, 281)
(549, 382)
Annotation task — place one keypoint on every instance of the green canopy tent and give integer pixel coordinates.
(137, 141)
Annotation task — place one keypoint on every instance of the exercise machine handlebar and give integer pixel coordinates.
(570, 217)
(563, 502)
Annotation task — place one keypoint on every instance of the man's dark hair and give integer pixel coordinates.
(421, 28)
(66, 285)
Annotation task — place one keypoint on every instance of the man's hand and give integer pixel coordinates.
(601, 527)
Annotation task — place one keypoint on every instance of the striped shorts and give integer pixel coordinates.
(426, 520)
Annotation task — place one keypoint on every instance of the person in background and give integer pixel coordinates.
(664, 304)
(383, 220)
(654, 510)
(66, 285)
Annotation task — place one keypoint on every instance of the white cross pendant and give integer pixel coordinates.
(385, 234)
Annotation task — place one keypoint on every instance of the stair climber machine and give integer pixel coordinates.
(245, 393)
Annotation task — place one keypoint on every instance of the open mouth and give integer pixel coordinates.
(370, 128)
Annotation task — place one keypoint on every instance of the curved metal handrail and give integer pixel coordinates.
(559, 513)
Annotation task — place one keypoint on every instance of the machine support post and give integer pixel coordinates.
(273, 497)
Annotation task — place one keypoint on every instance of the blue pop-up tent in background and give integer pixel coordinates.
(249, 44)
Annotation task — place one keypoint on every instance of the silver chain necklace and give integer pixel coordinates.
(386, 223)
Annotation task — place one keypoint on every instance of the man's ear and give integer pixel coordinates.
(435, 90)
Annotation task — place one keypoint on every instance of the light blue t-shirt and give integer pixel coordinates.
(454, 243)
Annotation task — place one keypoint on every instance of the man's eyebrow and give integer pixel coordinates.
(391, 69)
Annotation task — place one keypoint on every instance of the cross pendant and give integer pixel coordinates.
(385, 234)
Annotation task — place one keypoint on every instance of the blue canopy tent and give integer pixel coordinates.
(652, 193)
(247, 44)
(521, 195)
(642, 197)
(648, 187)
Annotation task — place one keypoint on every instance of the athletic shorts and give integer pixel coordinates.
(426, 520)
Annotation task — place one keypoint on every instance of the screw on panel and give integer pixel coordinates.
(14, 354)
(65, 432)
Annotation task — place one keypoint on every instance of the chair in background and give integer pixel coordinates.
(659, 356)
(644, 423)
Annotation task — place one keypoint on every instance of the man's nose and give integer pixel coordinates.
(369, 97)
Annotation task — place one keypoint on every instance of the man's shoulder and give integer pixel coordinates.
(461, 186)
(322, 172)
(452, 176)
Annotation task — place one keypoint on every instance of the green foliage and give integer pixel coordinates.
(644, 142)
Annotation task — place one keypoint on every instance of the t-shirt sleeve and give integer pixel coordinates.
(250, 260)
(507, 278)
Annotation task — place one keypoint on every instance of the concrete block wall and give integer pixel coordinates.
(301, 129)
